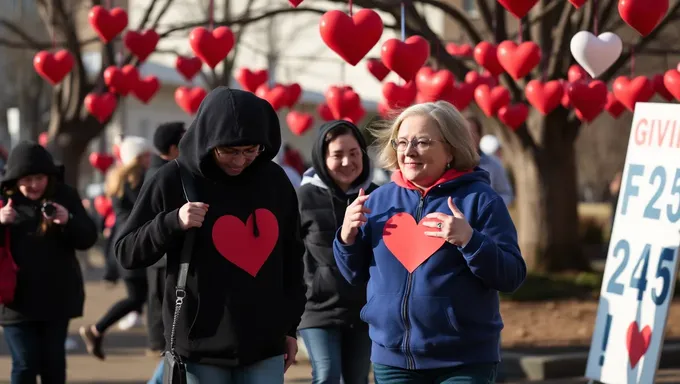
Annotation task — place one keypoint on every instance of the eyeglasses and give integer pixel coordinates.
(231, 152)
(421, 144)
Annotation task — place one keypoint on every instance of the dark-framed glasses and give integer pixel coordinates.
(232, 152)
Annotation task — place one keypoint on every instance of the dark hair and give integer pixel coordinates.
(335, 132)
(167, 135)
(13, 189)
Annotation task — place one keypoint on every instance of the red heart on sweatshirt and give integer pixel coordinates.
(519, 8)
(141, 44)
(588, 98)
(434, 85)
(189, 99)
(101, 106)
(518, 60)
(486, 55)
(146, 88)
(671, 79)
(377, 69)
(637, 342)
(613, 106)
(405, 57)
(107, 24)
(491, 100)
(545, 97)
(407, 240)
(211, 47)
(53, 67)
(513, 115)
(251, 80)
(188, 67)
(660, 87)
(237, 242)
(643, 15)
(399, 96)
(629, 92)
(351, 37)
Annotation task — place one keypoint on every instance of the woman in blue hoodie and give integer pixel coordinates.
(435, 245)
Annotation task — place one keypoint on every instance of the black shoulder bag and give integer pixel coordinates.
(174, 369)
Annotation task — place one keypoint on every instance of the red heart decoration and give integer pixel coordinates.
(188, 67)
(107, 24)
(544, 97)
(101, 106)
(463, 50)
(377, 69)
(238, 244)
(295, 3)
(577, 3)
(613, 106)
(513, 115)
(324, 112)
(110, 220)
(356, 115)
(405, 57)
(53, 67)
(276, 96)
(101, 161)
(660, 88)
(351, 37)
(433, 85)
(189, 99)
(576, 73)
(643, 15)
(299, 122)
(588, 98)
(461, 95)
(146, 88)
(520, 60)
(407, 240)
(637, 342)
(566, 102)
(629, 92)
(671, 80)
(519, 8)
(43, 139)
(103, 205)
(399, 96)
(251, 80)
(486, 55)
(342, 101)
(491, 100)
(141, 44)
(383, 110)
(477, 79)
(121, 81)
(293, 94)
(211, 47)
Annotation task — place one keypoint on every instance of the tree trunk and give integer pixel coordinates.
(547, 200)
(68, 142)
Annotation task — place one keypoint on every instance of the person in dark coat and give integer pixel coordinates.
(47, 223)
(335, 337)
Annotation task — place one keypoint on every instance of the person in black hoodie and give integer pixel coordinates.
(245, 291)
(335, 337)
(47, 223)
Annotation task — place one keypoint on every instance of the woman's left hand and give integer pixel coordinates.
(61, 215)
(453, 228)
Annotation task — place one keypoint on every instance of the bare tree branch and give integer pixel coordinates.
(147, 14)
(26, 39)
(486, 16)
(562, 36)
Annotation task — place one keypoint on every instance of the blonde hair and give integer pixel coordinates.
(132, 173)
(452, 126)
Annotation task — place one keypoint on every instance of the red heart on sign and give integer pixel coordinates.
(405, 57)
(588, 98)
(576, 73)
(121, 81)
(476, 79)
(461, 95)
(518, 61)
(276, 96)
(671, 79)
(399, 96)
(101, 161)
(577, 3)
(299, 122)
(544, 97)
(637, 342)
(211, 47)
(292, 94)
(377, 69)
(407, 240)
(628, 92)
(643, 15)
(188, 67)
(324, 112)
(351, 37)
(342, 101)
(190, 99)
(141, 44)
(433, 85)
(519, 8)
(146, 88)
(486, 55)
(463, 50)
(53, 67)
(513, 115)
(101, 106)
(660, 88)
(491, 100)
(107, 24)
(251, 80)
(295, 3)
(238, 243)
(613, 106)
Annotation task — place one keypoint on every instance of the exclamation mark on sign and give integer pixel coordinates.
(605, 339)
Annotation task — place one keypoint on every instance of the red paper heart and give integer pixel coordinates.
(491, 100)
(53, 67)
(463, 50)
(588, 98)
(107, 24)
(486, 55)
(342, 101)
(520, 60)
(211, 47)
(251, 80)
(299, 122)
(629, 92)
(405, 57)
(576, 73)
(637, 342)
(141, 44)
(434, 85)
(577, 3)
(513, 115)
(121, 80)
(461, 95)
(519, 8)
(189, 99)
(643, 15)
(324, 112)
(188, 67)
(101, 161)
(399, 96)
(544, 97)
(293, 92)
(476, 79)
(407, 240)
(237, 242)
(613, 106)
(103, 205)
(101, 106)
(351, 37)
(276, 96)
(671, 80)
(660, 88)
(146, 88)
(377, 69)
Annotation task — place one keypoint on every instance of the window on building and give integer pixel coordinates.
(470, 8)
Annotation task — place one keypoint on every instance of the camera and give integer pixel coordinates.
(49, 210)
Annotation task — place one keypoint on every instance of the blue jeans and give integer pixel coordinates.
(464, 374)
(268, 371)
(37, 348)
(157, 374)
(338, 352)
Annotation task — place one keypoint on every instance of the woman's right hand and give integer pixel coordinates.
(191, 215)
(7, 213)
(355, 217)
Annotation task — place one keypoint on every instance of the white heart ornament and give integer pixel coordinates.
(596, 53)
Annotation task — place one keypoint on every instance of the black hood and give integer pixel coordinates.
(319, 156)
(28, 158)
(229, 117)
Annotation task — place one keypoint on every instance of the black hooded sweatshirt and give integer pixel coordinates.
(49, 281)
(230, 317)
(331, 300)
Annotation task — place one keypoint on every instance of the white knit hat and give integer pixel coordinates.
(131, 147)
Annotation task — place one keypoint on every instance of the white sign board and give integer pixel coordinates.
(640, 273)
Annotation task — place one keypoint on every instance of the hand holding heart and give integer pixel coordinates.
(191, 215)
(455, 229)
(355, 217)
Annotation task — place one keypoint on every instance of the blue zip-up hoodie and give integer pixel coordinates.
(446, 312)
